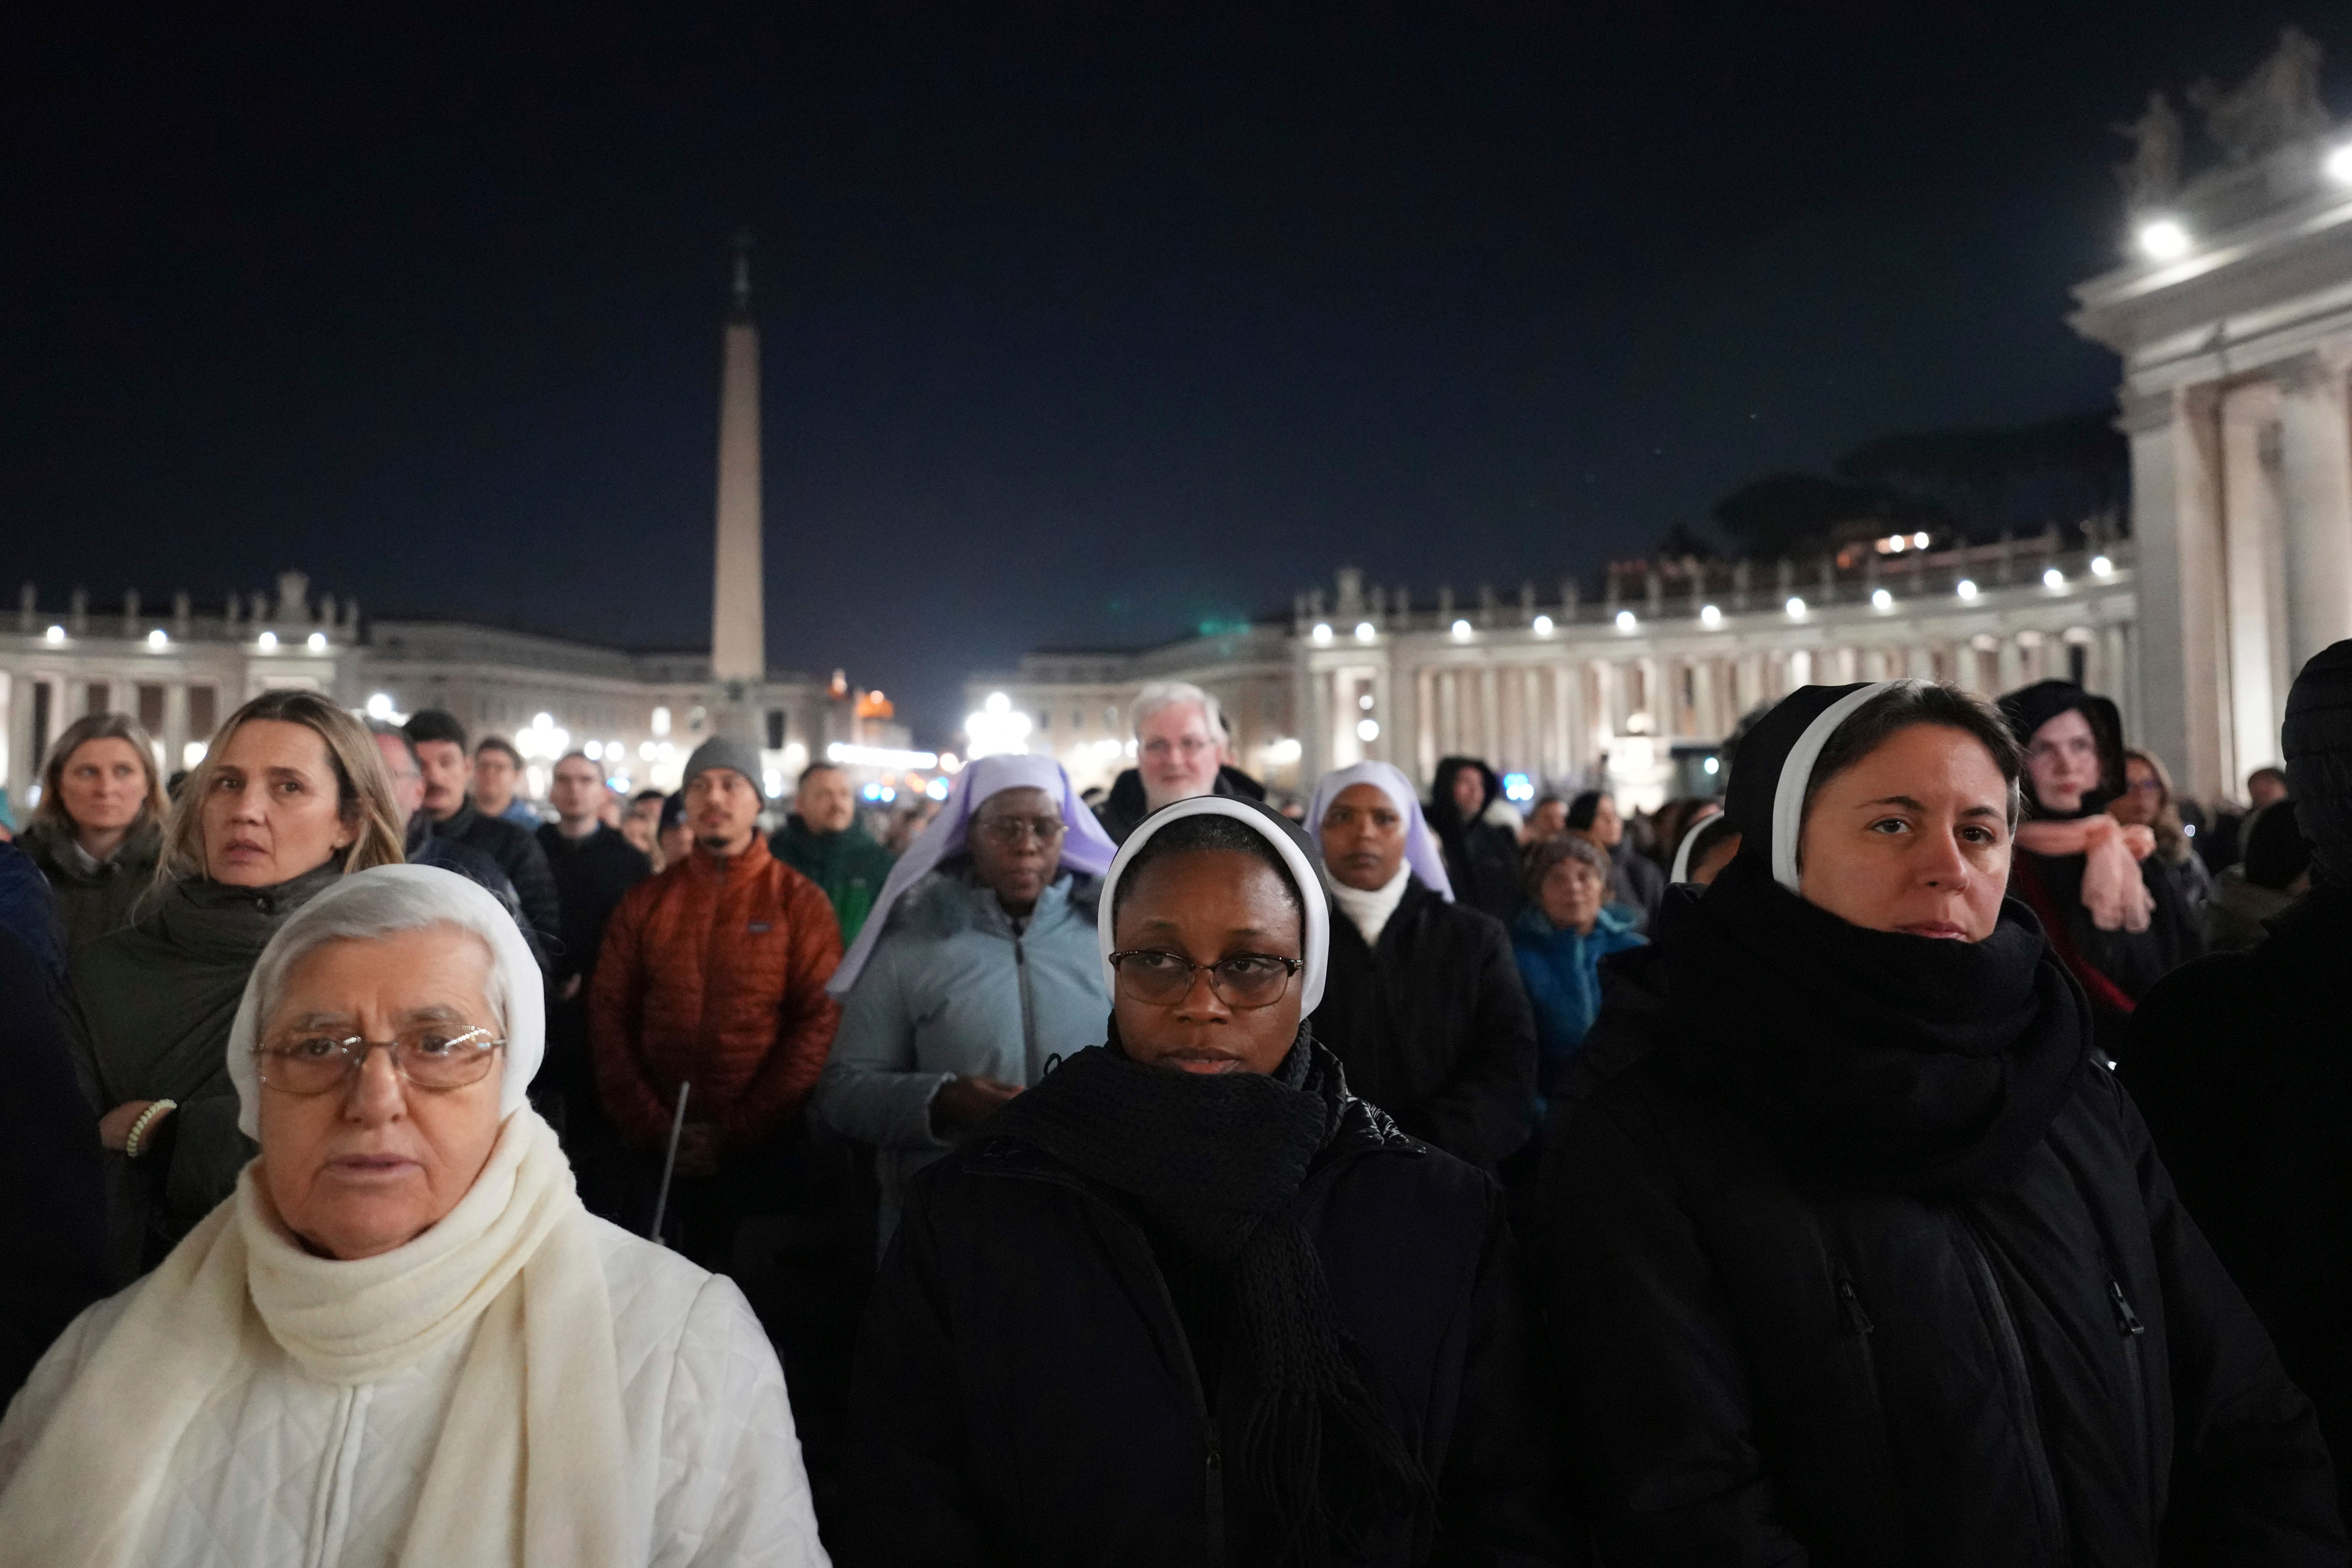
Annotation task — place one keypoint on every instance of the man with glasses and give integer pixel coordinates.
(1181, 751)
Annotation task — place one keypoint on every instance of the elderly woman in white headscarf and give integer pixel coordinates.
(976, 970)
(402, 1340)
(1189, 1301)
(1425, 1008)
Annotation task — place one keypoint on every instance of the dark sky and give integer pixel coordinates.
(1078, 330)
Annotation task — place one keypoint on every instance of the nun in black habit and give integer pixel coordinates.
(1867, 1260)
(1186, 1301)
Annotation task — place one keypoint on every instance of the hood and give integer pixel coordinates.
(2028, 708)
(2316, 743)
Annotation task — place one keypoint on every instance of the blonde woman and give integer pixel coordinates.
(99, 826)
(292, 796)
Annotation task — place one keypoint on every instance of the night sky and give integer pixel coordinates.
(1077, 331)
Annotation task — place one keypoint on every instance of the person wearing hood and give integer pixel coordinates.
(1868, 1260)
(1640, 885)
(291, 797)
(99, 830)
(977, 970)
(403, 1339)
(1479, 833)
(2243, 1064)
(1424, 1008)
(823, 839)
(1180, 752)
(2112, 911)
(1189, 1300)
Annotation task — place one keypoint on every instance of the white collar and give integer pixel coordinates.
(1370, 912)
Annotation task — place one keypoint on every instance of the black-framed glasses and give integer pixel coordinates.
(427, 1058)
(1014, 832)
(1245, 980)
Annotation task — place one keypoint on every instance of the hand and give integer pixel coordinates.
(2139, 840)
(697, 1149)
(114, 1127)
(962, 1103)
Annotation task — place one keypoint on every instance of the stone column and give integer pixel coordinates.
(2254, 557)
(1425, 724)
(2316, 471)
(2178, 574)
(1449, 716)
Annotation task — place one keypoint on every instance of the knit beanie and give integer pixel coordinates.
(2317, 742)
(724, 751)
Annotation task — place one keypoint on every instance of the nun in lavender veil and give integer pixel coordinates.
(1424, 1007)
(976, 970)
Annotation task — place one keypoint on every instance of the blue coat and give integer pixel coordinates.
(951, 991)
(1562, 971)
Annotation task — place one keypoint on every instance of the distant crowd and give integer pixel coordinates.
(1927, 1151)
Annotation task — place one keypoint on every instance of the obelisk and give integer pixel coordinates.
(738, 647)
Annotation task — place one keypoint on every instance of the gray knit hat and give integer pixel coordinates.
(721, 751)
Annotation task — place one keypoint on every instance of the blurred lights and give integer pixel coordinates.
(2339, 164)
(1709, 616)
(1543, 625)
(192, 753)
(1795, 607)
(1711, 767)
(1368, 730)
(1967, 588)
(268, 642)
(1322, 632)
(2102, 567)
(157, 640)
(2163, 239)
(1881, 600)
(1364, 632)
(54, 635)
(2053, 579)
(1462, 631)
(317, 643)
(1625, 621)
(879, 757)
(1519, 786)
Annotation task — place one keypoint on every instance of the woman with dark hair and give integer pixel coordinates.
(1188, 1301)
(99, 826)
(1867, 1261)
(2113, 913)
(1479, 833)
(1640, 885)
(292, 795)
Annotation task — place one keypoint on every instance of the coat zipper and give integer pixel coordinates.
(2025, 1409)
(2133, 1331)
(1028, 1014)
(1856, 1319)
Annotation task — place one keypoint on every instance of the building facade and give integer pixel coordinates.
(1637, 693)
(2234, 323)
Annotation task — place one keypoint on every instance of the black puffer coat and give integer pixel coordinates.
(1433, 1027)
(2242, 1063)
(1025, 1392)
(517, 853)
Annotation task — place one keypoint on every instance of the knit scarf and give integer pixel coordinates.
(1899, 1064)
(1217, 1162)
(1368, 912)
(526, 1464)
(2112, 889)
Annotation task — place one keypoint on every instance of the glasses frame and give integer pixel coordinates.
(1290, 966)
(354, 1062)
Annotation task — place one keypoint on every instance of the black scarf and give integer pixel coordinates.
(1217, 1162)
(1896, 1063)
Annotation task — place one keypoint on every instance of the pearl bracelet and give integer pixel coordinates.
(130, 1139)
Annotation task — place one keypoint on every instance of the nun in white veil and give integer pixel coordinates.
(402, 1340)
(976, 970)
(1425, 1008)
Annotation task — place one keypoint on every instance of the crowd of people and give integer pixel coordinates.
(1926, 1152)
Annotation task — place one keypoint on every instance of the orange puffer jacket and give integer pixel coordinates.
(713, 973)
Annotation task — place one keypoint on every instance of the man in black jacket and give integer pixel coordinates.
(593, 864)
(1424, 1007)
(2243, 1064)
(440, 743)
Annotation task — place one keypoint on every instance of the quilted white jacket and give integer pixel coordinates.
(294, 1472)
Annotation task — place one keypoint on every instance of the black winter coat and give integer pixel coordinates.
(1025, 1393)
(1766, 1366)
(591, 875)
(518, 855)
(52, 1192)
(2242, 1063)
(1433, 1027)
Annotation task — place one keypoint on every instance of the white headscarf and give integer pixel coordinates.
(1421, 851)
(380, 902)
(534, 1437)
(1084, 846)
(1262, 820)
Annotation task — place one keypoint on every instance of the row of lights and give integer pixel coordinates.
(158, 640)
(1711, 617)
(2169, 239)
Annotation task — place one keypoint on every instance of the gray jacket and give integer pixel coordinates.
(953, 991)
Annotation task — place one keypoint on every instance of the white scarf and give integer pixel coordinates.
(1370, 912)
(526, 1466)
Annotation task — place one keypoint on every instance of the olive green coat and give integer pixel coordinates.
(93, 901)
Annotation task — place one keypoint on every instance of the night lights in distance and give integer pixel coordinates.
(2163, 239)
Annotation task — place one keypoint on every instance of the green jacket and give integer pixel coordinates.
(849, 865)
(147, 1011)
(93, 900)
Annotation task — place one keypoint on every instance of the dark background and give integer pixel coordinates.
(1077, 330)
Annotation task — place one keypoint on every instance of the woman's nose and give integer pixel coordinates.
(375, 1092)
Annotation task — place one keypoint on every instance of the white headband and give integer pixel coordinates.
(1797, 772)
